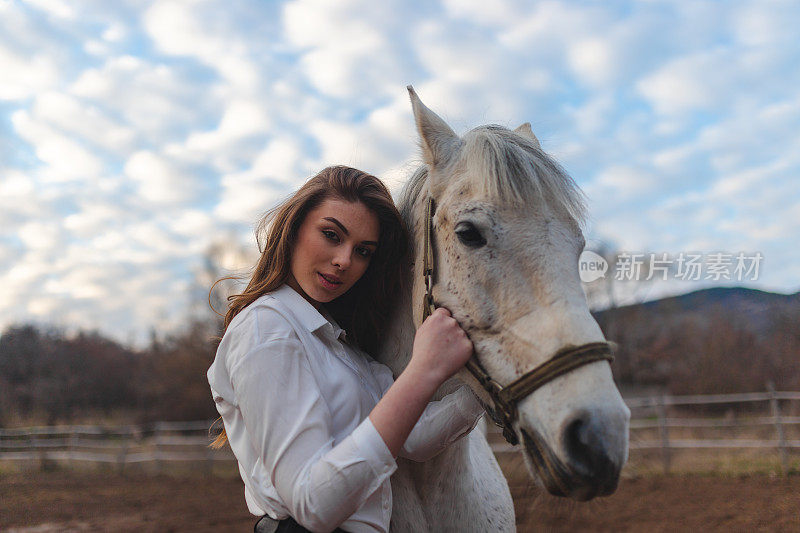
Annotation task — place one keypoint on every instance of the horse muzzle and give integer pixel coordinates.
(591, 464)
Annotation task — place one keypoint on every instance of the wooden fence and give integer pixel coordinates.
(158, 443)
(165, 442)
(666, 424)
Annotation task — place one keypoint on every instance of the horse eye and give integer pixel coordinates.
(469, 235)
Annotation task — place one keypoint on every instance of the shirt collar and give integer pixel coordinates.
(306, 313)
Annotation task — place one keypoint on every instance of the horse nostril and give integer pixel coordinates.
(588, 455)
(578, 445)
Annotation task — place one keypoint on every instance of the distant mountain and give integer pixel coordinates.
(737, 297)
(758, 307)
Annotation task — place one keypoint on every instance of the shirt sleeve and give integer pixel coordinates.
(288, 422)
(442, 423)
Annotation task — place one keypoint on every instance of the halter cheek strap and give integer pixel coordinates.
(506, 398)
(427, 261)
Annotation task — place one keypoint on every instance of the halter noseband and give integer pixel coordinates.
(506, 398)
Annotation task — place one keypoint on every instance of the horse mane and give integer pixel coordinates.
(506, 167)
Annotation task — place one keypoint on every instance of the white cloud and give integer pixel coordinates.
(42, 306)
(203, 30)
(97, 48)
(592, 60)
(242, 118)
(40, 236)
(688, 83)
(21, 76)
(243, 200)
(673, 158)
(277, 168)
(115, 32)
(627, 182)
(116, 243)
(379, 145)
(339, 142)
(56, 8)
(33, 56)
(18, 198)
(153, 237)
(592, 118)
(27, 271)
(153, 99)
(348, 46)
(66, 158)
(93, 218)
(500, 13)
(83, 282)
(195, 224)
(82, 120)
(310, 23)
(177, 27)
(280, 160)
(776, 25)
(339, 71)
(160, 180)
(549, 26)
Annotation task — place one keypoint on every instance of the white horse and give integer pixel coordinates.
(506, 238)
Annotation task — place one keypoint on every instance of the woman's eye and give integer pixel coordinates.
(364, 252)
(330, 234)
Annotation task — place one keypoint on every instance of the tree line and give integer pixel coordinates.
(50, 377)
(717, 349)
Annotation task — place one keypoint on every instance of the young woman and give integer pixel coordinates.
(314, 422)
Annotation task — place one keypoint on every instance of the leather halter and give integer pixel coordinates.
(506, 398)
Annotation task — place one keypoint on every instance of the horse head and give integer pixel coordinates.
(506, 236)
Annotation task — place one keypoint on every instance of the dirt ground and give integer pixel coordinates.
(69, 501)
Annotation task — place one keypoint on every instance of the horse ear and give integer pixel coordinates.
(526, 131)
(439, 142)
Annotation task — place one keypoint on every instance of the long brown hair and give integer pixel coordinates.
(365, 309)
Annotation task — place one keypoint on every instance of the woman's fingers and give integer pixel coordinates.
(441, 346)
(443, 311)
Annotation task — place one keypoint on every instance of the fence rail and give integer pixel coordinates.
(164, 442)
(157, 443)
(665, 424)
(700, 399)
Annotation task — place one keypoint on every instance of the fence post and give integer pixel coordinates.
(73, 443)
(663, 431)
(123, 452)
(776, 415)
(39, 451)
(156, 440)
(209, 461)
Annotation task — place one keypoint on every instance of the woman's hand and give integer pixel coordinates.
(441, 347)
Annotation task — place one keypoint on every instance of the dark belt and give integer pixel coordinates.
(266, 524)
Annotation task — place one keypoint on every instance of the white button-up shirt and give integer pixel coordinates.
(295, 399)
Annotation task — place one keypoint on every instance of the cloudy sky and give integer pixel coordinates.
(134, 134)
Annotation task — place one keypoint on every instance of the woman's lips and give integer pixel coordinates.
(329, 282)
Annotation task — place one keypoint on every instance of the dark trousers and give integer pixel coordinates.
(287, 525)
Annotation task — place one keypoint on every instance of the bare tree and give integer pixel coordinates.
(226, 266)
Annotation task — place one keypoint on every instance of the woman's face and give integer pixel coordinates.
(333, 249)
